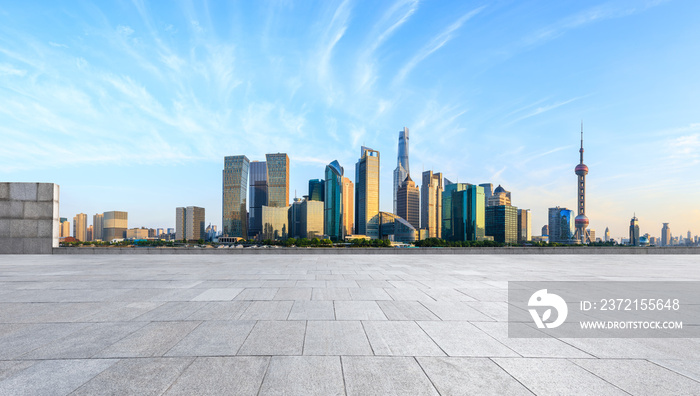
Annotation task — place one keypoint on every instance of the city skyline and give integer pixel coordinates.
(139, 103)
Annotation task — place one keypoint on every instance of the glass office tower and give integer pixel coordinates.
(235, 182)
(366, 188)
(258, 196)
(502, 223)
(447, 232)
(316, 189)
(468, 215)
(561, 221)
(333, 203)
(277, 180)
(408, 202)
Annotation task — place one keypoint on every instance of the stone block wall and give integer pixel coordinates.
(29, 222)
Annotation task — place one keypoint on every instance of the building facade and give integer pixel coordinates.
(401, 170)
(80, 227)
(257, 197)
(275, 222)
(524, 225)
(447, 231)
(366, 188)
(468, 216)
(64, 228)
(316, 190)
(431, 204)
(190, 223)
(561, 223)
(634, 231)
(277, 180)
(235, 182)
(389, 226)
(333, 203)
(499, 197)
(115, 224)
(408, 202)
(502, 223)
(348, 207)
(665, 235)
(97, 226)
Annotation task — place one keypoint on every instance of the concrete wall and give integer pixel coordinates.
(29, 222)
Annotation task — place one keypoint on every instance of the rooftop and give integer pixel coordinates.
(315, 324)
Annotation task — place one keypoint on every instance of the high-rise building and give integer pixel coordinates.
(235, 181)
(502, 223)
(294, 218)
(258, 197)
(115, 224)
(311, 224)
(189, 223)
(366, 188)
(447, 230)
(332, 201)
(275, 222)
(431, 204)
(607, 234)
(97, 226)
(524, 225)
(277, 180)
(634, 231)
(65, 227)
(499, 197)
(316, 190)
(348, 207)
(488, 192)
(408, 202)
(591, 234)
(468, 216)
(545, 230)
(560, 226)
(80, 227)
(665, 235)
(401, 170)
(581, 222)
(88, 234)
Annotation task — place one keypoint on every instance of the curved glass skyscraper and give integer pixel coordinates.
(401, 170)
(333, 201)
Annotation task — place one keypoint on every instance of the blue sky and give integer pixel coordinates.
(133, 105)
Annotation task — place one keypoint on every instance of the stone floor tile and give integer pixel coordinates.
(331, 294)
(291, 293)
(368, 294)
(312, 310)
(408, 294)
(464, 339)
(455, 310)
(218, 294)
(406, 310)
(336, 338)
(358, 310)
(257, 294)
(35, 336)
(470, 376)
(152, 340)
(275, 338)
(304, 375)
(220, 310)
(267, 310)
(240, 375)
(400, 338)
(385, 376)
(53, 377)
(213, 338)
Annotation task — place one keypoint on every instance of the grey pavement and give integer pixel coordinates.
(316, 325)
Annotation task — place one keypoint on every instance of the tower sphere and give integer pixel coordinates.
(581, 170)
(581, 220)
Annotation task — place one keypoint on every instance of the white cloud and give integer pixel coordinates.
(10, 70)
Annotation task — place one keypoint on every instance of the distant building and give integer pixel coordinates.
(97, 226)
(80, 227)
(665, 235)
(65, 228)
(431, 204)
(581, 221)
(294, 218)
(488, 192)
(348, 207)
(561, 221)
(89, 233)
(607, 234)
(137, 233)
(332, 215)
(502, 223)
(468, 216)
(275, 222)
(545, 230)
(524, 225)
(499, 197)
(277, 180)
(402, 169)
(115, 224)
(190, 223)
(591, 234)
(447, 231)
(258, 196)
(316, 190)
(235, 181)
(634, 231)
(408, 202)
(366, 188)
(305, 218)
(389, 226)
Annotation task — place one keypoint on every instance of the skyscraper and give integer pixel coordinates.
(431, 204)
(97, 226)
(634, 231)
(333, 203)
(560, 225)
(348, 207)
(401, 170)
(468, 216)
(607, 234)
(366, 188)
(581, 170)
(502, 223)
(235, 182)
(524, 225)
(258, 197)
(189, 223)
(65, 227)
(277, 180)
(275, 222)
(80, 227)
(545, 230)
(488, 192)
(114, 224)
(408, 202)
(665, 235)
(316, 190)
(500, 196)
(447, 223)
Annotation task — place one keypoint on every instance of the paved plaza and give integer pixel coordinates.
(316, 325)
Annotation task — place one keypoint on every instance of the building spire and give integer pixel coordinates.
(581, 150)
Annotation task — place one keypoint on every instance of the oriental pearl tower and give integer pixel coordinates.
(581, 235)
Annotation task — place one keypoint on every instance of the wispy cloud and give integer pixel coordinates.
(543, 109)
(435, 44)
